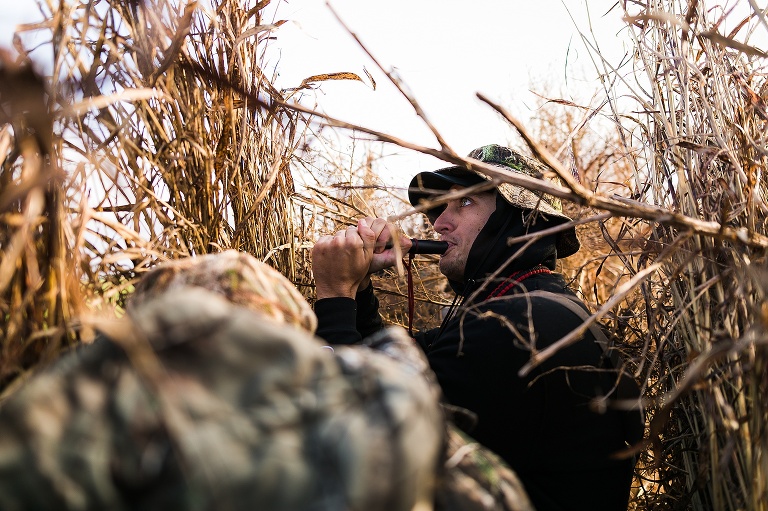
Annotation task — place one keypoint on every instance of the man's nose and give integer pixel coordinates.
(442, 223)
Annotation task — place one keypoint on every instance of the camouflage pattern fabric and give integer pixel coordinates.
(238, 277)
(473, 478)
(516, 162)
(544, 203)
(210, 397)
(197, 403)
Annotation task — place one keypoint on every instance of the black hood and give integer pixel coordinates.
(490, 251)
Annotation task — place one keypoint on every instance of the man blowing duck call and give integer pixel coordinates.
(507, 305)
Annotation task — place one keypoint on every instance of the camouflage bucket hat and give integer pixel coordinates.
(239, 277)
(429, 184)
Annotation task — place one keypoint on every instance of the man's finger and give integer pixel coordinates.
(367, 234)
(383, 232)
(378, 225)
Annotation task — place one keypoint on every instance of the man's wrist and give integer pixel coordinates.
(365, 284)
(339, 290)
(335, 293)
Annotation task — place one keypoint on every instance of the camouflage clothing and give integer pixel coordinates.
(195, 403)
(238, 277)
(475, 479)
(210, 397)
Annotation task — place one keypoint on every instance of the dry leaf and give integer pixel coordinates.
(306, 83)
(370, 77)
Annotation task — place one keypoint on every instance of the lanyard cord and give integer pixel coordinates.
(411, 301)
(514, 279)
(501, 290)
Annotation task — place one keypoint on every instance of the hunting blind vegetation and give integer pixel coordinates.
(157, 134)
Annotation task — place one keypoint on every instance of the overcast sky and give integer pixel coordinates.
(445, 51)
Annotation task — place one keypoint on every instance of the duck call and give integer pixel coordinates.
(428, 247)
(425, 246)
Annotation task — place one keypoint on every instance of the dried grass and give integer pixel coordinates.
(695, 126)
(153, 159)
(164, 142)
(36, 294)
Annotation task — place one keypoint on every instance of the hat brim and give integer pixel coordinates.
(425, 185)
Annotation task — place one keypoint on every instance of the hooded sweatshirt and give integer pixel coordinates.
(542, 424)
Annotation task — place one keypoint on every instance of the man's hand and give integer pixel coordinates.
(386, 253)
(341, 262)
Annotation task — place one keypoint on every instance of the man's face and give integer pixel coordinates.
(459, 224)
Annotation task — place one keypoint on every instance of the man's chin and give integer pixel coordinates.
(448, 269)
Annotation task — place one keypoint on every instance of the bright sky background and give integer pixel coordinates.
(444, 51)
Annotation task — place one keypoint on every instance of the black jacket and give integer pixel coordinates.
(542, 425)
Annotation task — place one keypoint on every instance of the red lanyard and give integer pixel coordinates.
(411, 301)
(515, 279)
(500, 290)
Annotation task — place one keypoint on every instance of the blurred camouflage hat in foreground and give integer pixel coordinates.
(427, 185)
(194, 402)
(240, 278)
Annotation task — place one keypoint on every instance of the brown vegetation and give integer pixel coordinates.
(161, 138)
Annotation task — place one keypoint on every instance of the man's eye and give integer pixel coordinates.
(464, 201)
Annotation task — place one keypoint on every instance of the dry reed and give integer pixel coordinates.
(693, 119)
(161, 137)
(35, 292)
(133, 153)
